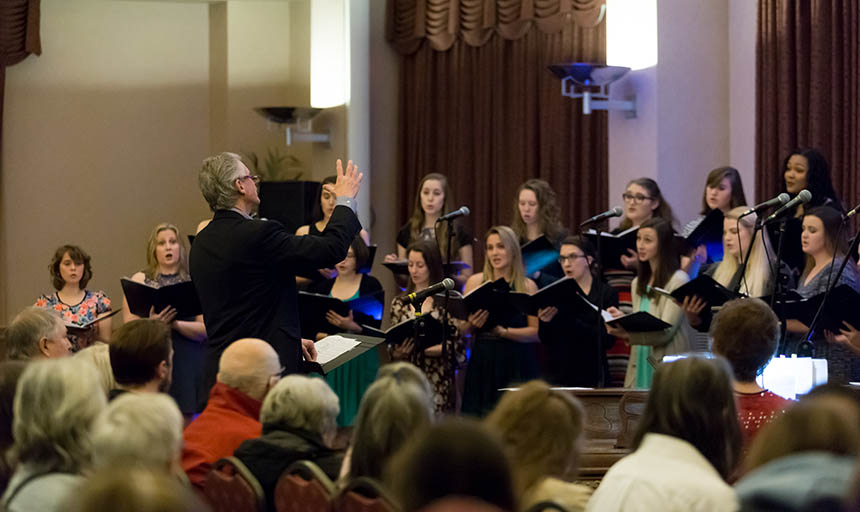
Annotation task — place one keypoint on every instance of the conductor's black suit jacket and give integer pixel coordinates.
(244, 272)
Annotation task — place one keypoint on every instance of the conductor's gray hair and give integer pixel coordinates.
(143, 429)
(27, 328)
(56, 402)
(216, 180)
(303, 403)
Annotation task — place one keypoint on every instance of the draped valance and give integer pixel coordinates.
(19, 30)
(441, 22)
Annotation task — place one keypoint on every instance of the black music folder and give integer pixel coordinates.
(538, 254)
(182, 296)
(704, 287)
(398, 333)
(709, 233)
(564, 294)
(640, 321)
(78, 329)
(314, 306)
(843, 305)
(492, 296)
(613, 246)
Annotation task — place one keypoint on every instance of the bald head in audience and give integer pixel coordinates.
(250, 365)
(37, 333)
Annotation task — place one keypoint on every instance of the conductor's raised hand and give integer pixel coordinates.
(348, 181)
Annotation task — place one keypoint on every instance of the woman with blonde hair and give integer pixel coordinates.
(757, 278)
(167, 264)
(505, 352)
(542, 428)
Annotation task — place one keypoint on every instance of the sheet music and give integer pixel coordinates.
(333, 346)
(607, 316)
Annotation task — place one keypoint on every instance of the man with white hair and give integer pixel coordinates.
(139, 429)
(299, 418)
(248, 369)
(37, 333)
(244, 269)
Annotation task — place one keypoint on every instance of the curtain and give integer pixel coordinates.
(808, 89)
(478, 104)
(19, 37)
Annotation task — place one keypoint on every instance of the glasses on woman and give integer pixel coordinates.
(570, 257)
(636, 198)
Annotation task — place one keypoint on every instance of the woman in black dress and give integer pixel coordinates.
(574, 355)
(506, 352)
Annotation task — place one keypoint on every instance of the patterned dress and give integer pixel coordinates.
(187, 386)
(441, 373)
(80, 314)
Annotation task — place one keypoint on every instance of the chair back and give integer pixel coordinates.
(304, 487)
(364, 495)
(231, 487)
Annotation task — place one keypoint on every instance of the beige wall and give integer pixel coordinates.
(104, 133)
(102, 138)
(696, 108)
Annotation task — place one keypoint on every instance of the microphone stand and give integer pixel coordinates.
(756, 228)
(778, 288)
(598, 279)
(447, 354)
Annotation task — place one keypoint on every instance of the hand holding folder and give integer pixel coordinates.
(143, 298)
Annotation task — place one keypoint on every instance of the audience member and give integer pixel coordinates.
(10, 372)
(299, 423)
(56, 403)
(542, 428)
(139, 429)
(406, 372)
(71, 271)
(37, 333)
(98, 354)
(746, 333)
(685, 447)
(804, 459)
(392, 411)
(141, 357)
(456, 457)
(134, 489)
(248, 369)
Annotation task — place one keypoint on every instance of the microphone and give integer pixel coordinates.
(614, 212)
(418, 297)
(463, 211)
(802, 197)
(778, 200)
(852, 212)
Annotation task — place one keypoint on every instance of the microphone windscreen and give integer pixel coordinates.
(448, 283)
(804, 196)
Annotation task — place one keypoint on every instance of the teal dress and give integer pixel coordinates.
(349, 381)
(644, 370)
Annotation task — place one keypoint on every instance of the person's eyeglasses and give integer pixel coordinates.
(253, 177)
(636, 198)
(572, 257)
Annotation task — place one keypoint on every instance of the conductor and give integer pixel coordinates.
(244, 269)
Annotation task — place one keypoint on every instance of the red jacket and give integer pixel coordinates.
(230, 417)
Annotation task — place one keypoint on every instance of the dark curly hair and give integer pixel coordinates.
(79, 256)
(818, 180)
